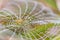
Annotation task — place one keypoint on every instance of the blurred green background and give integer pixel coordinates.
(52, 4)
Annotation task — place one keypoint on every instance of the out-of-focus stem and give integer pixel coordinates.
(58, 4)
(3, 3)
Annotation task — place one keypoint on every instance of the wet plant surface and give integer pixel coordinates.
(28, 20)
